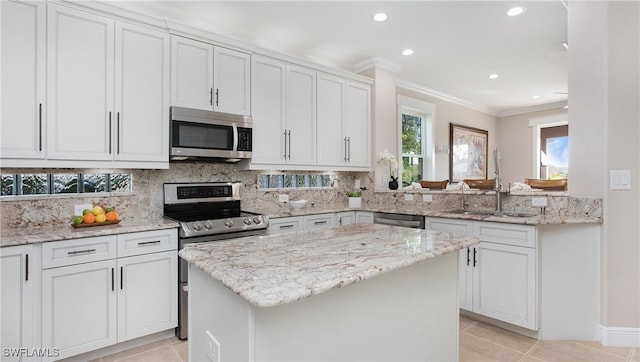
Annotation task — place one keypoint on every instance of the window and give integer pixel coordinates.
(295, 181)
(415, 120)
(64, 183)
(551, 147)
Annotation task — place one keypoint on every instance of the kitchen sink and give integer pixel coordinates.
(491, 213)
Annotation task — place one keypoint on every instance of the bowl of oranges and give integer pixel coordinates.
(95, 217)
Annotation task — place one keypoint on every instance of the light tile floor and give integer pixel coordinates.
(478, 342)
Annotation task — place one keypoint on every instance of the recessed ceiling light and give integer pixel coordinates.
(535, 97)
(380, 17)
(515, 11)
(407, 52)
(493, 76)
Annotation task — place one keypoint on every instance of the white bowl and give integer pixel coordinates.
(297, 204)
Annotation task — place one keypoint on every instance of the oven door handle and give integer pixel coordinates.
(235, 137)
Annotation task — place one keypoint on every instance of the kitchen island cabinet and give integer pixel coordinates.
(356, 292)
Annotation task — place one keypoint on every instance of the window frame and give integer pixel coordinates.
(536, 125)
(426, 111)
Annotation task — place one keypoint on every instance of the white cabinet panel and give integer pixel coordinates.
(19, 277)
(465, 277)
(505, 284)
(191, 73)
(231, 81)
(142, 94)
(332, 140)
(22, 125)
(321, 221)
(364, 217)
(357, 127)
(268, 110)
(285, 224)
(345, 218)
(80, 71)
(301, 116)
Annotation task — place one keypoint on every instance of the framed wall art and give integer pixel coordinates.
(468, 153)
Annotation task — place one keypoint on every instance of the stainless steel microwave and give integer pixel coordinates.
(206, 135)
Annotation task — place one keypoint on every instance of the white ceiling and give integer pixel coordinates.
(457, 44)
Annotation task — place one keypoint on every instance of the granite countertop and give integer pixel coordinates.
(276, 269)
(21, 236)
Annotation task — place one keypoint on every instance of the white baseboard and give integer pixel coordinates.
(620, 336)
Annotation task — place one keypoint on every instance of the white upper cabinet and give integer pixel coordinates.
(142, 93)
(332, 140)
(107, 90)
(80, 87)
(301, 116)
(23, 29)
(231, 81)
(268, 87)
(357, 126)
(208, 77)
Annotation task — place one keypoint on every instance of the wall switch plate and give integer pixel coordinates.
(427, 198)
(539, 201)
(620, 179)
(77, 209)
(408, 197)
(356, 184)
(213, 348)
(283, 197)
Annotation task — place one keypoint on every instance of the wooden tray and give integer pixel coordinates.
(95, 224)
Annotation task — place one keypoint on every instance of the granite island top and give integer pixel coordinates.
(33, 235)
(276, 269)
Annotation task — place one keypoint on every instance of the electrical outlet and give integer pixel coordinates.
(539, 201)
(356, 184)
(77, 209)
(283, 197)
(213, 348)
(408, 197)
(427, 198)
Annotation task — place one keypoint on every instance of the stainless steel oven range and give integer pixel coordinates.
(206, 212)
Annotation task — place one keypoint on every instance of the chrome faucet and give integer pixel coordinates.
(498, 187)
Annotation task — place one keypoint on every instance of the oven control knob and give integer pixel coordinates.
(208, 225)
(196, 226)
(228, 223)
(246, 221)
(257, 220)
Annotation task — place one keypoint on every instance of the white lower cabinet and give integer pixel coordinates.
(498, 278)
(19, 266)
(345, 218)
(91, 298)
(319, 221)
(364, 217)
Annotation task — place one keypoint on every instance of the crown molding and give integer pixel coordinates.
(445, 97)
(541, 107)
(377, 62)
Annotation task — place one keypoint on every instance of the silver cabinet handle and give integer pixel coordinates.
(109, 132)
(320, 222)
(345, 149)
(286, 226)
(285, 144)
(289, 134)
(118, 132)
(26, 268)
(348, 149)
(86, 251)
(113, 280)
(211, 96)
(121, 278)
(217, 97)
(39, 126)
(144, 243)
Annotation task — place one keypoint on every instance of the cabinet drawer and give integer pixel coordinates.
(77, 251)
(147, 242)
(507, 234)
(323, 221)
(448, 225)
(283, 225)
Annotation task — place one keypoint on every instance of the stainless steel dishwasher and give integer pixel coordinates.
(411, 221)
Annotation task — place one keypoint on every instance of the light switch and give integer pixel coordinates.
(620, 179)
(427, 198)
(408, 197)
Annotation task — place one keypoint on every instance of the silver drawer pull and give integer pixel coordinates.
(143, 243)
(286, 226)
(87, 251)
(320, 222)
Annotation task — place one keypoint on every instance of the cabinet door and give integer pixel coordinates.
(364, 217)
(191, 73)
(465, 278)
(346, 218)
(147, 294)
(231, 81)
(322, 221)
(23, 27)
(268, 109)
(16, 309)
(80, 85)
(142, 94)
(358, 124)
(79, 307)
(301, 116)
(504, 284)
(332, 144)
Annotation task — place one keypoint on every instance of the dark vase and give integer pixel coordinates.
(393, 184)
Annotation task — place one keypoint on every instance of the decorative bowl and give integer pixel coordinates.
(297, 204)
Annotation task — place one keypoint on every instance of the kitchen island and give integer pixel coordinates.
(359, 292)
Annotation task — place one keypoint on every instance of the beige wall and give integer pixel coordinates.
(604, 133)
(515, 142)
(446, 113)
